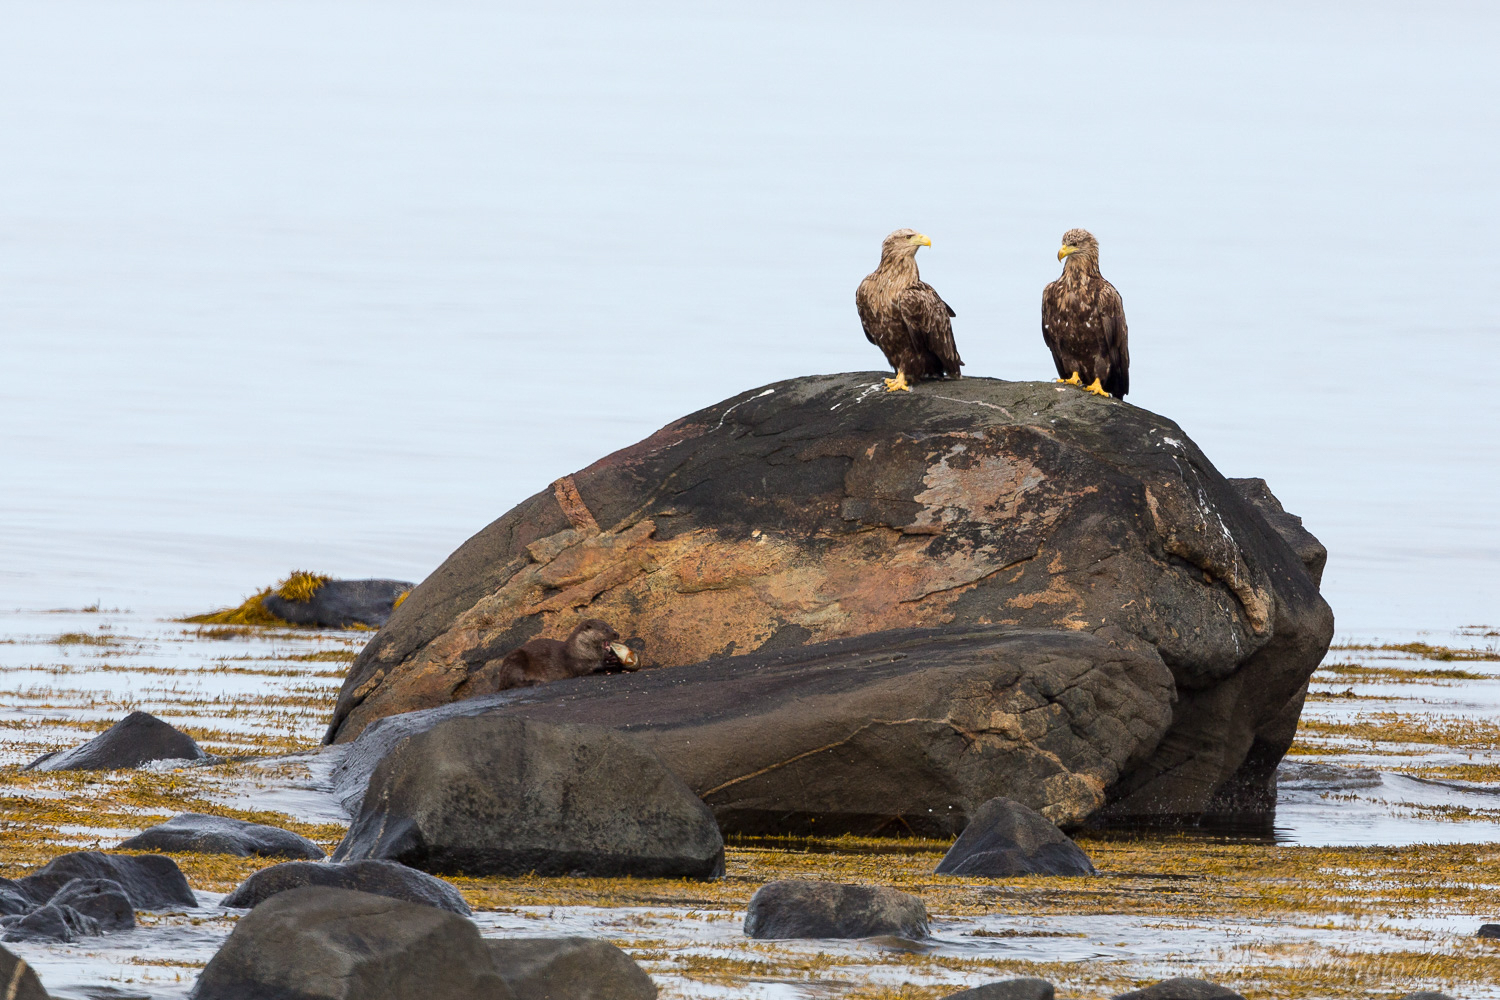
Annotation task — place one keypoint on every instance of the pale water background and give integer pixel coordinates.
(332, 285)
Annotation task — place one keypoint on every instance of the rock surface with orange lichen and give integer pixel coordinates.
(822, 508)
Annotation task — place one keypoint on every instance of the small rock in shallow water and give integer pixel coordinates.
(1426, 995)
(376, 877)
(1489, 930)
(52, 923)
(1005, 838)
(103, 899)
(205, 834)
(19, 978)
(506, 796)
(152, 881)
(568, 968)
(319, 943)
(1183, 988)
(1009, 989)
(796, 909)
(341, 603)
(137, 739)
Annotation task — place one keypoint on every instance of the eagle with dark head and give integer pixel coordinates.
(1083, 321)
(904, 317)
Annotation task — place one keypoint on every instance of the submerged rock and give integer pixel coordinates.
(320, 943)
(500, 796)
(51, 922)
(19, 978)
(206, 834)
(1005, 838)
(137, 739)
(568, 968)
(102, 899)
(905, 731)
(151, 881)
(340, 604)
(821, 508)
(796, 909)
(1182, 988)
(1009, 989)
(378, 878)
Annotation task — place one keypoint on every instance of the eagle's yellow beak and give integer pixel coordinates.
(1067, 250)
(921, 241)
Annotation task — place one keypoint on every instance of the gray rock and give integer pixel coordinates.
(13, 899)
(51, 923)
(568, 968)
(1182, 988)
(498, 796)
(378, 878)
(1010, 989)
(13, 969)
(1314, 556)
(152, 881)
(821, 507)
(1427, 995)
(137, 739)
(909, 730)
(102, 899)
(1489, 930)
(320, 943)
(206, 834)
(798, 909)
(341, 604)
(1005, 838)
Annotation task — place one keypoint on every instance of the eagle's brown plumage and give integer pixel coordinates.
(1083, 321)
(904, 317)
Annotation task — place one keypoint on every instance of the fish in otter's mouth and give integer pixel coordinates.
(625, 655)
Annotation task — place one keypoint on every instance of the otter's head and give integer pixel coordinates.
(596, 641)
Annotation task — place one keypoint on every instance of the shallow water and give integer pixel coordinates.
(332, 285)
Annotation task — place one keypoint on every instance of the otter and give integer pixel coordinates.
(593, 647)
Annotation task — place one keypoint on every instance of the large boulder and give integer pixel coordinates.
(340, 604)
(823, 508)
(501, 796)
(319, 943)
(204, 834)
(137, 739)
(376, 878)
(568, 968)
(151, 881)
(908, 731)
(792, 908)
(1005, 838)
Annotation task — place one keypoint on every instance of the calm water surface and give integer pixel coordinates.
(332, 285)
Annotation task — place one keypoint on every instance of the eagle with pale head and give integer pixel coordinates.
(904, 317)
(1083, 321)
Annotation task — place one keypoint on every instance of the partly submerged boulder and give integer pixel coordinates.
(823, 508)
(568, 968)
(320, 943)
(340, 603)
(204, 834)
(52, 922)
(375, 877)
(101, 899)
(902, 732)
(1182, 988)
(137, 739)
(1028, 988)
(792, 908)
(152, 881)
(502, 796)
(1005, 838)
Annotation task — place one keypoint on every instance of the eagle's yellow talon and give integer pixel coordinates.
(1075, 380)
(897, 383)
(1096, 389)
